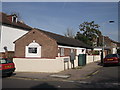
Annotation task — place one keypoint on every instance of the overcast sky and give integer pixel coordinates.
(56, 17)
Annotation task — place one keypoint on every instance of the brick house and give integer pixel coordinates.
(47, 52)
(110, 46)
(11, 29)
(39, 43)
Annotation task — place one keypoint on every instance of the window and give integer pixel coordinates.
(111, 55)
(32, 50)
(14, 18)
(3, 61)
(71, 50)
(62, 51)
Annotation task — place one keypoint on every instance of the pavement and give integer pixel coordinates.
(76, 74)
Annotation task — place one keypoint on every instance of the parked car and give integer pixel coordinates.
(7, 67)
(111, 59)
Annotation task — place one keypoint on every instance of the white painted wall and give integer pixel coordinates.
(8, 36)
(0, 34)
(43, 65)
(38, 65)
(81, 51)
(114, 50)
(49, 65)
(92, 58)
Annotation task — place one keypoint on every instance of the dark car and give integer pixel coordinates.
(111, 59)
(7, 67)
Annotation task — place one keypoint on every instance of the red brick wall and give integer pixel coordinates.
(67, 51)
(49, 47)
(10, 18)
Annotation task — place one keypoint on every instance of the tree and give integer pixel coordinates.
(69, 33)
(83, 38)
(90, 31)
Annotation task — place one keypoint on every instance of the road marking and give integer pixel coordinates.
(95, 72)
(60, 76)
(90, 75)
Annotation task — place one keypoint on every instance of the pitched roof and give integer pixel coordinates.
(62, 40)
(4, 20)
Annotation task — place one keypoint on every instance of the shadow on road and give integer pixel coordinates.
(5, 75)
(43, 85)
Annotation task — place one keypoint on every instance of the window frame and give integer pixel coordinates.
(34, 50)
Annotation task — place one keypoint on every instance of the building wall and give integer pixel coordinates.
(8, 36)
(49, 48)
(67, 51)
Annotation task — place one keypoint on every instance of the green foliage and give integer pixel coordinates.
(89, 32)
(83, 38)
(95, 52)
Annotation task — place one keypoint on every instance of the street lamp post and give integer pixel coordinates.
(103, 55)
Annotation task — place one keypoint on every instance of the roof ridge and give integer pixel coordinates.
(55, 33)
(68, 40)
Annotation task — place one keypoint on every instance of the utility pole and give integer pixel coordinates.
(103, 42)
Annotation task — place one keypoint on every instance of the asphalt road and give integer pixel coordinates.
(109, 74)
(106, 77)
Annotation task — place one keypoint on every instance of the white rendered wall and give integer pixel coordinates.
(114, 50)
(92, 58)
(8, 36)
(39, 65)
(43, 65)
(79, 51)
